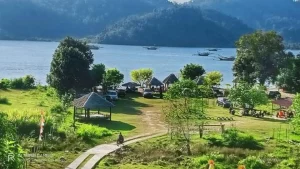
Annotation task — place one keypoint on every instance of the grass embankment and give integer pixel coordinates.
(131, 116)
(262, 143)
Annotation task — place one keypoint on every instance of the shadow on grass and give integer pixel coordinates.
(272, 120)
(111, 125)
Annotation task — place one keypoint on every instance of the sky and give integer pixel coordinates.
(180, 1)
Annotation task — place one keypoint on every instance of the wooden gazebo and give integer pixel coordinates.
(91, 101)
(171, 79)
(155, 82)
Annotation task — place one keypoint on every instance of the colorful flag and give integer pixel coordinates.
(211, 164)
(42, 123)
(242, 167)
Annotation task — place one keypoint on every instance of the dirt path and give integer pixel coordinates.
(153, 118)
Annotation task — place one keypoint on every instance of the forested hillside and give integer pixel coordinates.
(179, 26)
(280, 15)
(52, 19)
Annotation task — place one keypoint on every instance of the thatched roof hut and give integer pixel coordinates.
(155, 82)
(91, 101)
(131, 84)
(170, 79)
(285, 102)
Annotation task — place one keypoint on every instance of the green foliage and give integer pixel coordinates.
(259, 57)
(234, 138)
(141, 76)
(289, 77)
(70, 66)
(3, 100)
(113, 77)
(87, 131)
(213, 78)
(98, 73)
(67, 99)
(253, 162)
(192, 71)
(245, 94)
(296, 107)
(26, 82)
(183, 108)
(4, 83)
(11, 154)
(57, 109)
(287, 164)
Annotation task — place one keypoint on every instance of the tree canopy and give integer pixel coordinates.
(259, 57)
(213, 78)
(192, 71)
(141, 76)
(289, 77)
(98, 73)
(246, 95)
(296, 107)
(70, 66)
(113, 77)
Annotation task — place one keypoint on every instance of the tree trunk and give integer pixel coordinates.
(189, 152)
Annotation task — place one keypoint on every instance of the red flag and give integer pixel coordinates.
(42, 123)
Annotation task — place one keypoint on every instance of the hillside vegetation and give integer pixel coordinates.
(279, 15)
(180, 26)
(52, 19)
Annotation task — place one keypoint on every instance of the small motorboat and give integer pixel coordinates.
(93, 47)
(212, 50)
(231, 58)
(203, 53)
(152, 48)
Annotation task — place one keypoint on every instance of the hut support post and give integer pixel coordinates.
(109, 113)
(85, 113)
(74, 117)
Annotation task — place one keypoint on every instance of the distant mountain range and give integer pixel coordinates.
(280, 15)
(179, 26)
(145, 22)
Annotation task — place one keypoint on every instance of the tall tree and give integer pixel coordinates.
(141, 76)
(245, 94)
(113, 77)
(70, 66)
(183, 109)
(192, 71)
(289, 77)
(98, 73)
(259, 57)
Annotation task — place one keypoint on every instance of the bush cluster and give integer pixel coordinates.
(87, 131)
(234, 138)
(26, 82)
(3, 100)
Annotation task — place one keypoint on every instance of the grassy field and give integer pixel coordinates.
(135, 115)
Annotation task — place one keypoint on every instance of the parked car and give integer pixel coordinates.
(121, 92)
(147, 93)
(112, 94)
(224, 102)
(274, 94)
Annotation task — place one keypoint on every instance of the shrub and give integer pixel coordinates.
(28, 82)
(58, 108)
(3, 100)
(87, 131)
(253, 162)
(234, 138)
(16, 83)
(287, 164)
(4, 83)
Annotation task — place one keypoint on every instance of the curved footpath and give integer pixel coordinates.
(99, 152)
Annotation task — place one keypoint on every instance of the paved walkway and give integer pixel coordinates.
(102, 150)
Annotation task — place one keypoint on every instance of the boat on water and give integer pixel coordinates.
(203, 53)
(231, 58)
(94, 47)
(213, 49)
(152, 48)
